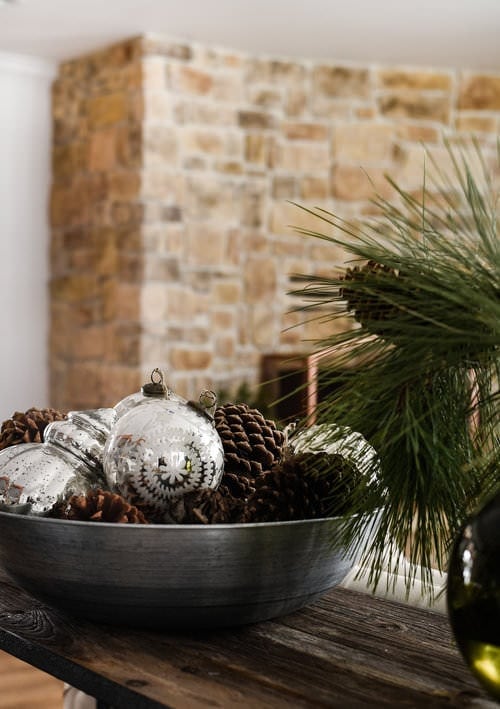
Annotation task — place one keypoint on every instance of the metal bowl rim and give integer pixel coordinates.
(235, 525)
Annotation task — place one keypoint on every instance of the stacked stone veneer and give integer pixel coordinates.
(174, 168)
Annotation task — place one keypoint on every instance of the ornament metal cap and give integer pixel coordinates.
(155, 387)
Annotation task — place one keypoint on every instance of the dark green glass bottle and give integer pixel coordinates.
(473, 594)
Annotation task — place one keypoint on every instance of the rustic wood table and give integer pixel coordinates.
(347, 650)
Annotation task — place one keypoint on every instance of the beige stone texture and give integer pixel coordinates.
(363, 143)
(476, 123)
(341, 81)
(418, 133)
(160, 145)
(274, 71)
(411, 104)
(314, 188)
(206, 246)
(174, 240)
(184, 358)
(415, 79)
(306, 131)
(102, 149)
(351, 183)
(260, 280)
(480, 92)
(256, 120)
(299, 157)
(187, 79)
(256, 148)
(107, 109)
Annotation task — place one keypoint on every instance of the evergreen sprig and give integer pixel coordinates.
(424, 282)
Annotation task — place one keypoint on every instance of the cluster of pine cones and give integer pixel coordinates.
(369, 307)
(263, 480)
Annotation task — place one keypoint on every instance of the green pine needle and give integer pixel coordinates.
(426, 392)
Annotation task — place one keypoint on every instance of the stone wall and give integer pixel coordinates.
(175, 169)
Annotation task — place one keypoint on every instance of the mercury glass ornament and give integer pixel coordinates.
(36, 476)
(162, 448)
(473, 594)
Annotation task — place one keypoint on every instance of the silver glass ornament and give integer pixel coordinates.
(36, 476)
(162, 448)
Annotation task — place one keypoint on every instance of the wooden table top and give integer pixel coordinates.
(347, 650)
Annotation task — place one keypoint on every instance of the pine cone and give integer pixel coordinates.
(302, 486)
(27, 427)
(101, 506)
(207, 506)
(370, 309)
(252, 444)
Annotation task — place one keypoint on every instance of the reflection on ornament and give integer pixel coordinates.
(36, 476)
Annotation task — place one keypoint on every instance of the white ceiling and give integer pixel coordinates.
(446, 33)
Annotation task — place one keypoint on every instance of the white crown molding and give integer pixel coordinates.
(27, 64)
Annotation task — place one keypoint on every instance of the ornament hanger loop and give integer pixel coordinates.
(155, 387)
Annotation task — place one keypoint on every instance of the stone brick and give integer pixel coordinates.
(160, 145)
(265, 97)
(256, 148)
(410, 104)
(285, 218)
(68, 159)
(225, 346)
(418, 133)
(158, 105)
(157, 44)
(154, 302)
(263, 327)
(102, 149)
(314, 188)
(351, 183)
(274, 71)
(364, 143)
(164, 185)
(341, 81)
(208, 198)
(228, 87)
(128, 301)
(480, 92)
(300, 157)
(414, 79)
(123, 185)
(206, 246)
(365, 112)
(229, 167)
(256, 120)
(284, 187)
(474, 123)
(129, 145)
(106, 110)
(296, 101)
(184, 358)
(227, 292)
(71, 289)
(253, 205)
(224, 319)
(189, 80)
(196, 139)
(306, 131)
(260, 280)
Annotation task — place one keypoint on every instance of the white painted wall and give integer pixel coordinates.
(25, 138)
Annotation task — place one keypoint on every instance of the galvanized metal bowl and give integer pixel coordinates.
(174, 576)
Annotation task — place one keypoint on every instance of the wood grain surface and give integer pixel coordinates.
(347, 650)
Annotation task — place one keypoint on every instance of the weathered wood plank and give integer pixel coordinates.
(348, 650)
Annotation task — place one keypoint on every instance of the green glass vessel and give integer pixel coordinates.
(473, 594)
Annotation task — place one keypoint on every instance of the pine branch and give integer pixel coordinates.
(424, 284)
